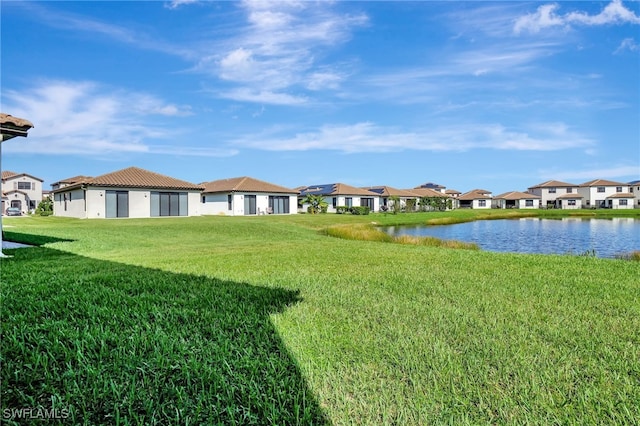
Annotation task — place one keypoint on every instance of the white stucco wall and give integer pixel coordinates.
(74, 206)
(217, 204)
(593, 198)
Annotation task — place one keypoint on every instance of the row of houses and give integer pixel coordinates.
(136, 193)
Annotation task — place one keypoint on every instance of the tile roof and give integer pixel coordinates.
(476, 194)
(427, 192)
(602, 182)
(18, 122)
(335, 189)
(516, 195)
(245, 184)
(74, 179)
(135, 177)
(622, 195)
(553, 184)
(572, 196)
(388, 191)
(430, 185)
(6, 174)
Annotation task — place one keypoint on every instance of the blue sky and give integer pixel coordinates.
(496, 95)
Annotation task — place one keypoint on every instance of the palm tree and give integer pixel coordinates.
(316, 203)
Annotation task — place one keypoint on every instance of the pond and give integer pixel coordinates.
(599, 237)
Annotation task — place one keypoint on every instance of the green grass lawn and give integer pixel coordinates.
(267, 320)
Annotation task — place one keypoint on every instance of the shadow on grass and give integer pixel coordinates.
(34, 240)
(95, 342)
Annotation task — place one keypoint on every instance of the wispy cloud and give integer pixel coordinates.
(546, 16)
(72, 117)
(174, 4)
(627, 44)
(598, 172)
(276, 52)
(369, 137)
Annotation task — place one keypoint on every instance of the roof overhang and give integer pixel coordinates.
(10, 126)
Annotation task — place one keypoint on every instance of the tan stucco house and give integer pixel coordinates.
(601, 193)
(516, 200)
(132, 192)
(552, 193)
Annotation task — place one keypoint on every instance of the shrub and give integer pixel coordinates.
(45, 207)
(342, 209)
(361, 210)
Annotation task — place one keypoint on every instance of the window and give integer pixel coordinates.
(250, 204)
(24, 185)
(528, 203)
(229, 202)
(279, 204)
(482, 203)
(169, 204)
(618, 189)
(117, 203)
(571, 202)
(348, 201)
(601, 189)
(367, 202)
(552, 190)
(334, 202)
(569, 190)
(623, 202)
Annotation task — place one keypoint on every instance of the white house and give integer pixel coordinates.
(131, 192)
(634, 187)
(600, 193)
(340, 194)
(21, 190)
(572, 201)
(387, 194)
(476, 199)
(247, 196)
(552, 193)
(517, 200)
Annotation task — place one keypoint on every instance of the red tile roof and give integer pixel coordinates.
(516, 195)
(553, 184)
(602, 182)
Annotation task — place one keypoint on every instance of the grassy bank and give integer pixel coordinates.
(265, 320)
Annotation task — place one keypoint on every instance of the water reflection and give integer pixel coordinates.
(604, 237)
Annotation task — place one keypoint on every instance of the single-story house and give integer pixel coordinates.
(569, 201)
(340, 194)
(475, 199)
(387, 193)
(552, 190)
(429, 193)
(247, 196)
(132, 192)
(516, 200)
(601, 193)
(20, 190)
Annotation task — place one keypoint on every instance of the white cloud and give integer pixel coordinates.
(628, 44)
(546, 17)
(279, 51)
(85, 118)
(368, 137)
(174, 4)
(614, 173)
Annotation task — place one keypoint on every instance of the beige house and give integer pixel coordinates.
(423, 192)
(243, 196)
(634, 187)
(516, 200)
(21, 190)
(131, 192)
(340, 194)
(475, 199)
(601, 193)
(552, 193)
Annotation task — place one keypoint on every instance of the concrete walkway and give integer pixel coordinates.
(11, 245)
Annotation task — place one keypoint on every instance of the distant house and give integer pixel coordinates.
(340, 194)
(475, 199)
(247, 196)
(552, 192)
(433, 186)
(570, 201)
(516, 200)
(601, 193)
(387, 193)
(20, 190)
(634, 187)
(421, 193)
(69, 181)
(131, 192)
